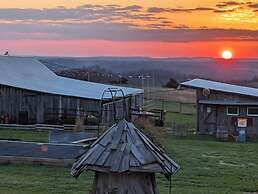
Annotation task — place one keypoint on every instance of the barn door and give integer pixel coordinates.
(210, 117)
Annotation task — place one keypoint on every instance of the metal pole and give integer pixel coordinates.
(142, 81)
(88, 75)
(120, 79)
(170, 185)
(153, 80)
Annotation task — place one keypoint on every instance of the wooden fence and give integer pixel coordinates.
(172, 106)
(43, 127)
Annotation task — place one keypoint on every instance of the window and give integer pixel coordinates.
(208, 109)
(252, 111)
(232, 110)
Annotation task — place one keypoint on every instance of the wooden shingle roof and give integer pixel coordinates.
(124, 148)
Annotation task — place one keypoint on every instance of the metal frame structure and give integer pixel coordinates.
(113, 92)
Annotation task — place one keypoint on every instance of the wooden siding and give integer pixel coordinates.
(133, 183)
(48, 108)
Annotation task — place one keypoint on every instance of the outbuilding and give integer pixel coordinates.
(225, 109)
(125, 161)
(31, 93)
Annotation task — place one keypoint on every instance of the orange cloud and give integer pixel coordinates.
(147, 28)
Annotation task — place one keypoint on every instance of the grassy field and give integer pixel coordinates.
(176, 113)
(170, 106)
(24, 135)
(188, 121)
(208, 167)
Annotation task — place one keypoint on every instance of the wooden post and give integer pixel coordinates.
(60, 109)
(78, 109)
(170, 185)
(40, 109)
(129, 108)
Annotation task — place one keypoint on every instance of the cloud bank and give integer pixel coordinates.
(116, 23)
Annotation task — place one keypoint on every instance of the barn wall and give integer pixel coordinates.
(137, 101)
(15, 104)
(15, 101)
(65, 110)
(41, 108)
(219, 118)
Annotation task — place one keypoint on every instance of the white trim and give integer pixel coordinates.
(253, 115)
(208, 109)
(230, 114)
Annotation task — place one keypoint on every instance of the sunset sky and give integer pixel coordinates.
(156, 28)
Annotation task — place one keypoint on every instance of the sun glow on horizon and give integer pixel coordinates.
(227, 54)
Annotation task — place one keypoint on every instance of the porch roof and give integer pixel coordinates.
(226, 102)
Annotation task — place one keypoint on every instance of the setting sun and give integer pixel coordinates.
(227, 55)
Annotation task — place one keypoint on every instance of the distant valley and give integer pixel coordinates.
(162, 69)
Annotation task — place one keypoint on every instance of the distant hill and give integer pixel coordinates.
(179, 68)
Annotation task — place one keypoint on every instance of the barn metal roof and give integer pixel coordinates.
(223, 87)
(124, 148)
(226, 102)
(28, 73)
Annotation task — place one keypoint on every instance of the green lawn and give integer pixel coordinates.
(24, 135)
(189, 121)
(171, 106)
(208, 167)
(184, 114)
(24, 179)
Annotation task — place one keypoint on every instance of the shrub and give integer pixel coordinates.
(150, 130)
